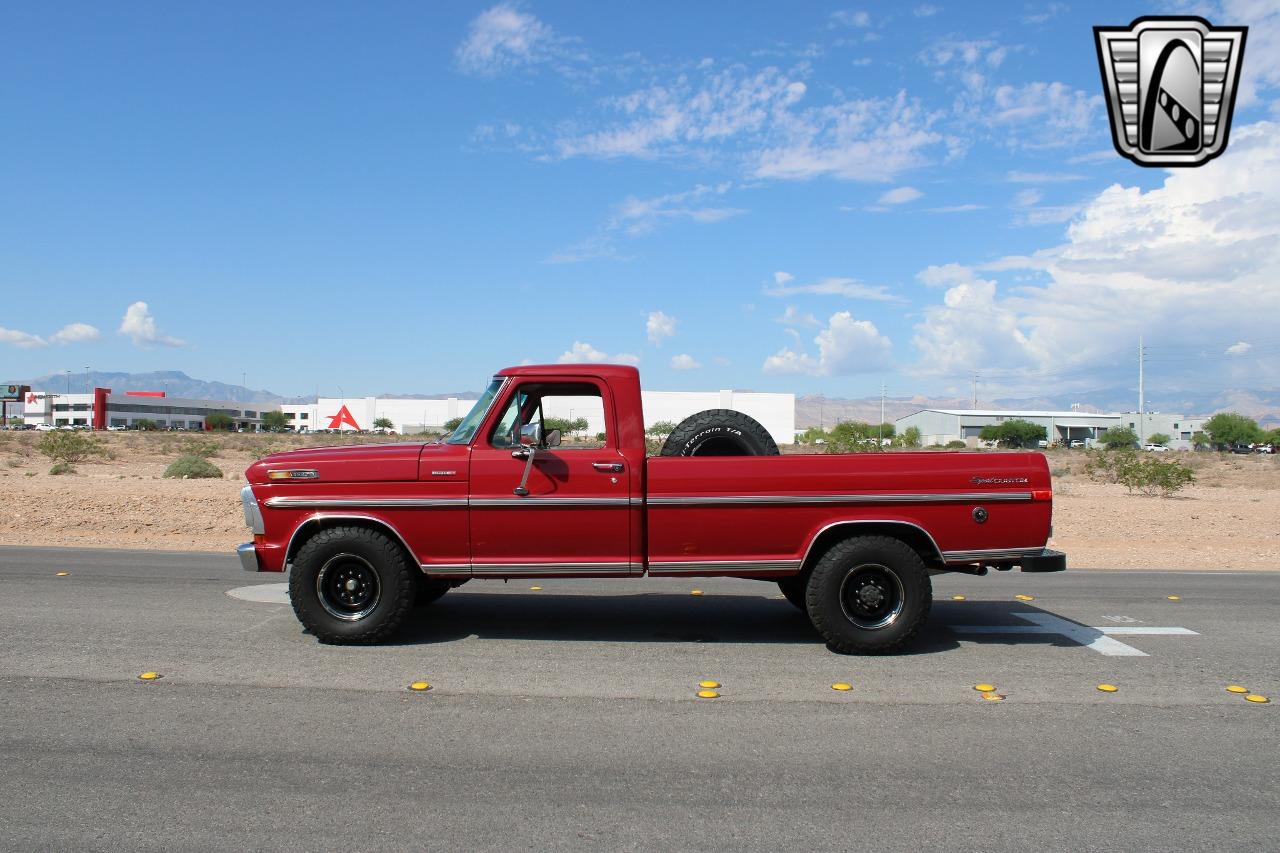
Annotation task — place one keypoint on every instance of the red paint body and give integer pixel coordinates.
(453, 505)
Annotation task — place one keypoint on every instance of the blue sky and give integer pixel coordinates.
(404, 197)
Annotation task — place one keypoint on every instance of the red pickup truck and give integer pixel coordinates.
(367, 531)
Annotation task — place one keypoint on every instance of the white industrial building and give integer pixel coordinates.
(940, 426)
(775, 412)
(102, 409)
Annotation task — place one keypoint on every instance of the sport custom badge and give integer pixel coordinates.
(1171, 84)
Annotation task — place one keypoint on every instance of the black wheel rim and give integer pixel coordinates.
(348, 587)
(871, 596)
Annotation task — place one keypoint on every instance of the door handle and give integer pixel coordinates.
(608, 467)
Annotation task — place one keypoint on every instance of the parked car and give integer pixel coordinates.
(1155, 448)
(1077, 443)
(1239, 448)
(1264, 448)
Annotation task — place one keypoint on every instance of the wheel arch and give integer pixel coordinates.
(908, 532)
(315, 523)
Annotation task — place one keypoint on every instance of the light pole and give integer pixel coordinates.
(87, 389)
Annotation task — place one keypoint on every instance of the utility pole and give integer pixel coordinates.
(975, 390)
(882, 414)
(1142, 357)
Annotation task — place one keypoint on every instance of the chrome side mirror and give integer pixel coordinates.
(531, 435)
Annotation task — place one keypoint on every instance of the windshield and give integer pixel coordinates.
(471, 423)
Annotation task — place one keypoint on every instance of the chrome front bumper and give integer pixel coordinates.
(248, 557)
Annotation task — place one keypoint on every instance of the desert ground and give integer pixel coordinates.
(1227, 520)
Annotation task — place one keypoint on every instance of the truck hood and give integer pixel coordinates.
(358, 463)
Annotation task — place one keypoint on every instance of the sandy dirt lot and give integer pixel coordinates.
(1229, 520)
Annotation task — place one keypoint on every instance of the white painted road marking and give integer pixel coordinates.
(1097, 639)
(1125, 619)
(262, 593)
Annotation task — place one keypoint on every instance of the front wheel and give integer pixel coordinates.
(351, 585)
(869, 595)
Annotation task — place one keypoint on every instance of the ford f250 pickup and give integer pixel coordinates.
(366, 532)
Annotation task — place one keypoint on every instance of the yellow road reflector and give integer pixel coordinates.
(535, 588)
(1022, 597)
(1108, 688)
(695, 592)
(1236, 688)
(61, 574)
(992, 696)
(149, 676)
(984, 688)
(1174, 597)
(708, 694)
(957, 598)
(419, 686)
(842, 686)
(708, 683)
(1254, 697)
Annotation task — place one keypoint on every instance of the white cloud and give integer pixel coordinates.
(636, 216)
(139, 325)
(1027, 198)
(1044, 115)
(900, 195)
(598, 246)
(851, 19)
(874, 139)
(24, 340)
(845, 347)
(781, 278)
(1019, 177)
(793, 317)
(926, 10)
(1239, 348)
(704, 112)
(659, 326)
(503, 38)
(75, 333)
(584, 353)
(850, 287)
(956, 208)
(684, 361)
(1178, 262)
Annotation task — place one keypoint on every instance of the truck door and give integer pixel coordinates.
(574, 514)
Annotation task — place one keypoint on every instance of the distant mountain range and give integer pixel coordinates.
(812, 410)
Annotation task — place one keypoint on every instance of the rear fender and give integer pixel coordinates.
(915, 536)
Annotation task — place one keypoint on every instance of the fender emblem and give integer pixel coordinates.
(442, 473)
(999, 481)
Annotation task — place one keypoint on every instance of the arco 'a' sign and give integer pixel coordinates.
(343, 416)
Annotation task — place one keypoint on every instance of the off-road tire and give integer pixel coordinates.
(719, 432)
(366, 552)
(836, 608)
(794, 589)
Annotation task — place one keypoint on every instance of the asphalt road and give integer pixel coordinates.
(565, 718)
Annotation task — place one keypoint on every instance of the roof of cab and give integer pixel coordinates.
(599, 371)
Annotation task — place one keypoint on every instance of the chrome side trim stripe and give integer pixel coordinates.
(742, 567)
(501, 569)
(283, 502)
(990, 554)
(546, 503)
(801, 500)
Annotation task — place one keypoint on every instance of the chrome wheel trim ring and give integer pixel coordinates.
(334, 582)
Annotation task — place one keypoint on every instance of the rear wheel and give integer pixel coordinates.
(351, 585)
(869, 595)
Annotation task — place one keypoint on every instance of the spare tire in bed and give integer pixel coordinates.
(719, 432)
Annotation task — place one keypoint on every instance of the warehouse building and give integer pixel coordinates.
(940, 426)
(102, 409)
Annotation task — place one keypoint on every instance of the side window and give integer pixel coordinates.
(578, 413)
(576, 409)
